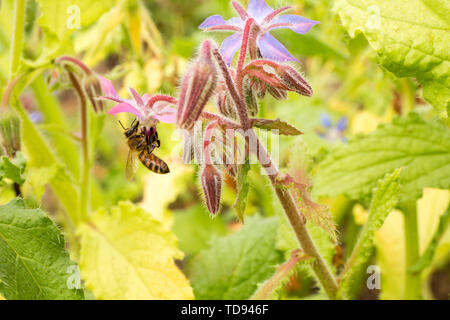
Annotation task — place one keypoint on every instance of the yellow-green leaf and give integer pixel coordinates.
(128, 254)
(411, 38)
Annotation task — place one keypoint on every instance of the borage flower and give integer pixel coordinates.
(148, 109)
(330, 131)
(267, 19)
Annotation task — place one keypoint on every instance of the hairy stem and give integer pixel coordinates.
(16, 48)
(241, 108)
(85, 178)
(243, 51)
(290, 207)
(412, 279)
(323, 273)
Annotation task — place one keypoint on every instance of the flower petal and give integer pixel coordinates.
(212, 21)
(325, 120)
(236, 22)
(145, 98)
(137, 98)
(258, 9)
(125, 107)
(271, 48)
(294, 22)
(229, 47)
(166, 118)
(341, 125)
(107, 87)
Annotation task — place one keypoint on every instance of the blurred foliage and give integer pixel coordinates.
(147, 45)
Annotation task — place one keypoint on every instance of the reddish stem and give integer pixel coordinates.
(237, 98)
(75, 61)
(221, 120)
(239, 10)
(160, 97)
(273, 14)
(207, 141)
(243, 51)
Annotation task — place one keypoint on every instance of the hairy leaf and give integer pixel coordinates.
(268, 289)
(13, 169)
(34, 263)
(384, 199)
(195, 228)
(128, 254)
(242, 189)
(233, 266)
(283, 127)
(411, 38)
(421, 148)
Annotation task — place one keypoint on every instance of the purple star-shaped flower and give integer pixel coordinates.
(267, 19)
(149, 110)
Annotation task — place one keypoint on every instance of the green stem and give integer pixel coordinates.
(412, 280)
(16, 48)
(407, 96)
(85, 178)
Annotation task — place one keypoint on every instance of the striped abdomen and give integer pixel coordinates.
(153, 163)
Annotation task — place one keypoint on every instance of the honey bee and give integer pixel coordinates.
(142, 141)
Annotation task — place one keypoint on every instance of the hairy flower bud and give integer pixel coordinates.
(10, 133)
(197, 87)
(278, 94)
(293, 81)
(212, 187)
(250, 99)
(226, 105)
(93, 89)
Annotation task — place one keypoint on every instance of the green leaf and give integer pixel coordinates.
(233, 266)
(421, 148)
(195, 228)
(13, 169)
(243, 188)
(385, 198)
(34, 263)
(283, 127)
(427, 257)
(65, 148)
(410, 37)
(62, 17)
(270, 288)
(39, 156)
(128, 254)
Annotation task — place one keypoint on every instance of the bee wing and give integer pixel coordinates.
(132, 164)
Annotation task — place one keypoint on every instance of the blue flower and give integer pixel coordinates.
(332, 132)
(267, 19)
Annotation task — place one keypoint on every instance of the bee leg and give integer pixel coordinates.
(150, 148)
(156, 139)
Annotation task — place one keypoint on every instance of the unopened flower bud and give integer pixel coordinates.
(250, 99)
(197, 87)
(10, 133)
(188, 147)
(212, 187)
(278, 94)
(93, 89)
(292, 80)
(226, 105)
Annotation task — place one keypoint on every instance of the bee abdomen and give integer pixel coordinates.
(153, 163)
